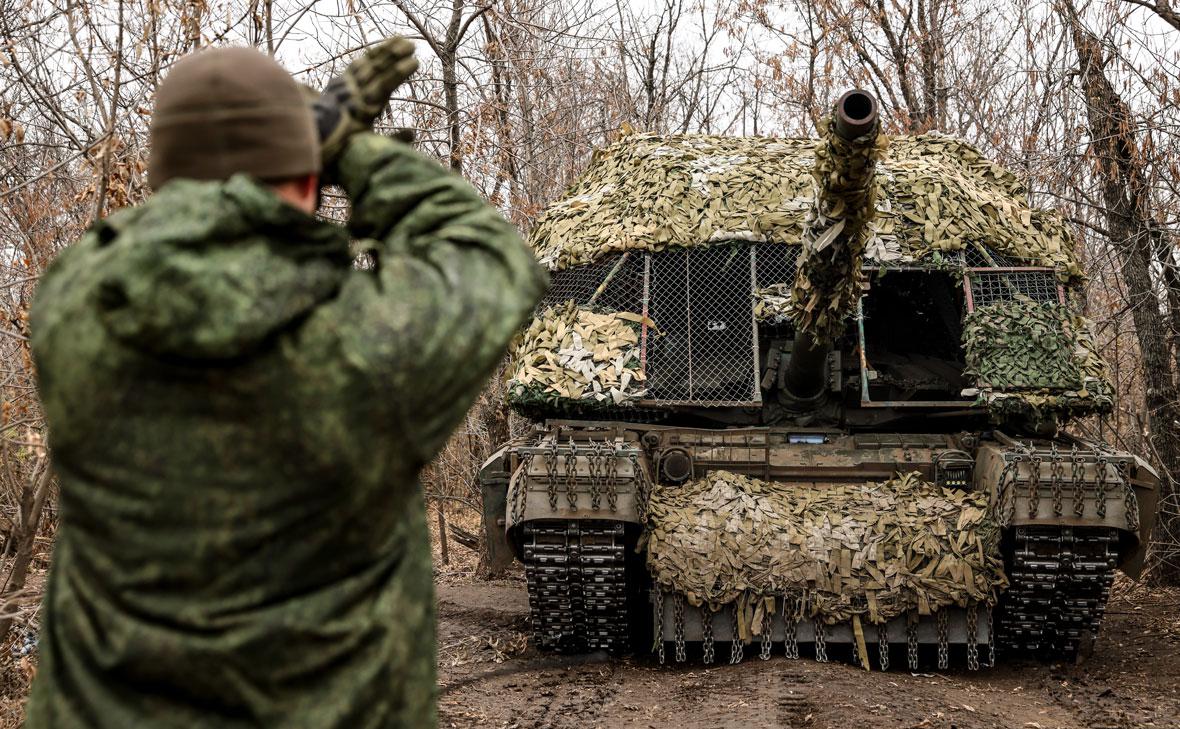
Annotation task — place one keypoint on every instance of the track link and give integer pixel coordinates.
(577, 584)
(1059, 583)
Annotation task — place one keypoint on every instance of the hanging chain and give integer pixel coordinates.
(595, 467)
(1130, 503)
(522, 488)
(1034, 486)
(612, 480)
(678, 625)
(972, 637)
(764, 653)
(707, 633)
(991, 639)
(821, 641)
(1078, 476)
(883, 645)
(1101, 492)
(643, 487)
(1057, 469)
(911, 634)
(790, 628)
(571, 475)
(1008, 490)
(551, 473)
(943, 642)
(735, 645)
(660, 623)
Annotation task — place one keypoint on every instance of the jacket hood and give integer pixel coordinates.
(213, 270)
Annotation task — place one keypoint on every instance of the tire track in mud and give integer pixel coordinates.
(1133, 680)
(795, 707)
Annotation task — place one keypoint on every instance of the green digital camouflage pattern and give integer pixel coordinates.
(238, 419)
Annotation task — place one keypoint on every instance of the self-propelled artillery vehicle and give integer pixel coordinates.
(811, 395)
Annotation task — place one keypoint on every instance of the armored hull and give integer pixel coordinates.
(812, 393)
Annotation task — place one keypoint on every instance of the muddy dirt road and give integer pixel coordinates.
(490, 677)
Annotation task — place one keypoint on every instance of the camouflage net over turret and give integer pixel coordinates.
(652, 192)
(829, 280)
(876, 550)
(1032, 359)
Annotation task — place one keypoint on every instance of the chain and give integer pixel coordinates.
(707, 633)
(571, 475)
(821, 641)
(1130, 503)
(1078, 476)
(1008, 490)
(943, 647)
(660, 623)
(790, 629)
(551, 473)
(911, 634)
(883, 645)
(735, 646)
(678, 625)
(522, 488)
(643, 487)
(595, 467)
(991, 639)
(612, 485)
(972, 637)
(1101, 493)
(1058, 471)
(764, 653)
(1034, 487)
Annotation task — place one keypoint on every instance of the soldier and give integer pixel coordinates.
(239, 414)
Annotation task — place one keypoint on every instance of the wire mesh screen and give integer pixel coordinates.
(775, 263)
(669, 358)
(991, 286)
(701, 300)
(622, 288)
(615, 282)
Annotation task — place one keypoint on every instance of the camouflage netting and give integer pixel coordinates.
(772, 304)
(828, 284)
(578, 354)
(874, 549)
(1030, 359)
(650, 192)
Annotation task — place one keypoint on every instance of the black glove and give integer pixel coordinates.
(352, 101)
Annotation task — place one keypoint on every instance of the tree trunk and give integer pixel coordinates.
(450, 62)
(1119, 169)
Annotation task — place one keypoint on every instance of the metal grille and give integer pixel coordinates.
(615, 283)
(776, 263)
(991, 286)
(706, 351)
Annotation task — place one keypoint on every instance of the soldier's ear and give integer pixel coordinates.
(302, 192)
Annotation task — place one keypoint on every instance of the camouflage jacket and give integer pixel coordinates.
(238, 417)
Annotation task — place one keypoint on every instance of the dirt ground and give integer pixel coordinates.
(489, 676)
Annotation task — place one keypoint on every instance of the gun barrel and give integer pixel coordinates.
(855, 114)
(827, 282)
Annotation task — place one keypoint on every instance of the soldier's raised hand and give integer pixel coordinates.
(352, 101)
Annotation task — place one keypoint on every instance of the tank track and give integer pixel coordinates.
(1059, 582)
(577, 584)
